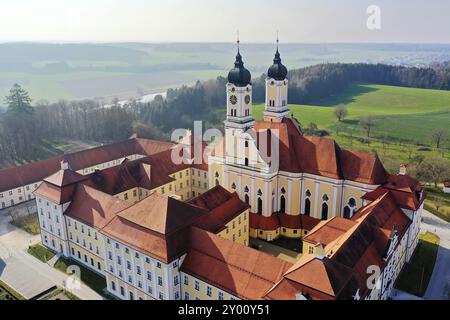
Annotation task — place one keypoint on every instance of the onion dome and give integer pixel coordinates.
(239, 75)
(277, 71)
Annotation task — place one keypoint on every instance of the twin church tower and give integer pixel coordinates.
(239, 94)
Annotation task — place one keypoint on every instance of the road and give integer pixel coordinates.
(439, 285)
(14, 243)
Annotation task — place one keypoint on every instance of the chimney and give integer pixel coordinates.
(147, 169)
(64, 165)
(403, 169)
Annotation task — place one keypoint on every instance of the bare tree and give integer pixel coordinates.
(409, 149)
(340, 112)
(438, 202)
(438, 136)
(367, 123)
(434, 170)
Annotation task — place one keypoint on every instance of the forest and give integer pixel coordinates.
(25, 126)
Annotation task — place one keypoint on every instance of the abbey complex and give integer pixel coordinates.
(156, 229)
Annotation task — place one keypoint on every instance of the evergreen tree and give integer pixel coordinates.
(18, 100)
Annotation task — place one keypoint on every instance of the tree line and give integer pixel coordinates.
(24, 126)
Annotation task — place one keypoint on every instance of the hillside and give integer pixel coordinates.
(402, 114)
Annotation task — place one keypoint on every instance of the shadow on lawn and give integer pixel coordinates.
(348, 96)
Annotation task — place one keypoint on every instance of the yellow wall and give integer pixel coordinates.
(200, 294)
(238, 230)
(89, 244)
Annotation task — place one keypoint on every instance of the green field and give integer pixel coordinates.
(402, 114)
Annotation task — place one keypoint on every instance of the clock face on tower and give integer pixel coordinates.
(247, 99)
(233, 99)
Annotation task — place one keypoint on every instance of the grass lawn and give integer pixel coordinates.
(416, 275)
(438, 203)
(290, 244)
(7, 290)
(29, 223)
(402, 114)
(95, 281)
(40, 252)
(286, 249)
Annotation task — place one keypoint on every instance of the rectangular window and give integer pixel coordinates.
(186, 280)
(138, 270)
(208, 291)
(186, 296)
(149, 276)
(197, 285)
(160, 283)
(220, 295)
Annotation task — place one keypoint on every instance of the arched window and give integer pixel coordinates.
(307, 207)
(259, 206)
(259, 192)
(217, 174)
(283, 190)
(347, 212)
(246, 189)
(325, 198)
(308, 193)
(283, 204)
(324, 211)
(217, 182)
(233, 186)
(246, 162)
(247, 199)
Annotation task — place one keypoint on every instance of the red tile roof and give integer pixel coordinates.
(260, 222)
(327, 231)
(223, 207)
(55, 194)
(36, 171)
(322, 274)
(299, 221)
(94, 207)
(277, 220)
(234, 268)
(162, 214)
(157, 226)
(64, 178)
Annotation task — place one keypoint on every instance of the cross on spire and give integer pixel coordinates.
(238, 40)
(278, 40)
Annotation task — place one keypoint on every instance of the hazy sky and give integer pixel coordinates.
(218, 20)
